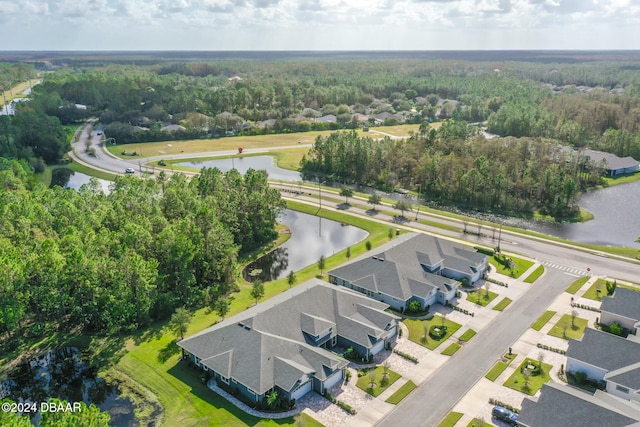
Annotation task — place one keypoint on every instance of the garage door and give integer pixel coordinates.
(378, 347)
(334, 379)
(302, 390)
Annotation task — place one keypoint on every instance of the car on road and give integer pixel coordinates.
(504, 414)
(129, 170)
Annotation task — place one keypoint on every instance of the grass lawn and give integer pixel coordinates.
(593, 294)
(467, 335)
(516, 381)
(574, 332)
(364, 382)
(451, 350)
(542, 320)
(499, 367)
(535, 274)
(521, 265)
(77, 167)
(481, 297)
(416, 331)
(451, 419)
(502, 304)
(401, 393)
(622, 179)
(576, 285)
(152, 357)
(477, 422)
(152, 149)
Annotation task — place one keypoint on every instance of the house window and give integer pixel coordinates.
(251, 392)
(224, 380)
(233, 380)
(622, 389)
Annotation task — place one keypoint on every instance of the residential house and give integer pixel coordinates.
(414, 267)
(609, 358)
(622, 308)
(329, 118)
(613, 164)
(284, 344)
(562, 406)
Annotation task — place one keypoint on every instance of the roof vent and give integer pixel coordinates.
(375, 257)
(248, 328)
(241, 324)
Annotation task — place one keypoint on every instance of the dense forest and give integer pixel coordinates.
(449, 166)
(110, 263)
(585, 102)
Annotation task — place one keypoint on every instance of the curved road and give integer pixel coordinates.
(433, 399)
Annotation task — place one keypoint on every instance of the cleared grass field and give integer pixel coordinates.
(152, 149)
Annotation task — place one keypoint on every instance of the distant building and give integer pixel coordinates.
(613, 164)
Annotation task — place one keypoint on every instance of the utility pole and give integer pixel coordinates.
(499, 237)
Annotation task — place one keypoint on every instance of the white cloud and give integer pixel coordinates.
(320, 24)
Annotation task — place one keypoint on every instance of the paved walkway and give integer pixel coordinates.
(475, 404)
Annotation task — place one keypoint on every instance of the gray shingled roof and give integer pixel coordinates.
(604, 350)
(624, 302)
(628, 376)
(395, 270)
(562, 406)
(612, 161)
(269, 344)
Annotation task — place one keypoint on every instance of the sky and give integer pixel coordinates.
(318, 24)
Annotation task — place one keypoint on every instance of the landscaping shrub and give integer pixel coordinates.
(496, 402)
(437, 332)
(414, 307)
(555, 350)
(616, 329)
(406, 356)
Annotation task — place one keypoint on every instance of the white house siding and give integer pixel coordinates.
(609, 318)
(392, 332)
(377, 348)
(592, 372)
(333, 379)
(612, 388)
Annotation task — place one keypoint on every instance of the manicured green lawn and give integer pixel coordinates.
(521, 265)
(502, 304)
(477, 422)
(481, 297)
(499, 367)
(450, 351)
(416, 331)
(467, 335)
(517, 382)
(152, 357)
(451, 419)
(364, 382)
(401, 393)
(596, 291)
(542, 320)
(535, 274)
(572, 331)
(575, 286)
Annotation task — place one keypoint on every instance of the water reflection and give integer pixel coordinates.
(63, 374)
(616, 221)
(242, 164)
(311, 237)
(67, 178)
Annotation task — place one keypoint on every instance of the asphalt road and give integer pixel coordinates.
(435, 398)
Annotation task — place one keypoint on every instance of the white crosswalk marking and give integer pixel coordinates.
(571, 271)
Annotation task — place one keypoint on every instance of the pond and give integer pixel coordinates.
(311, 237)
(64, 374)
(68, 178)
(242, 164)
(616, 221)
